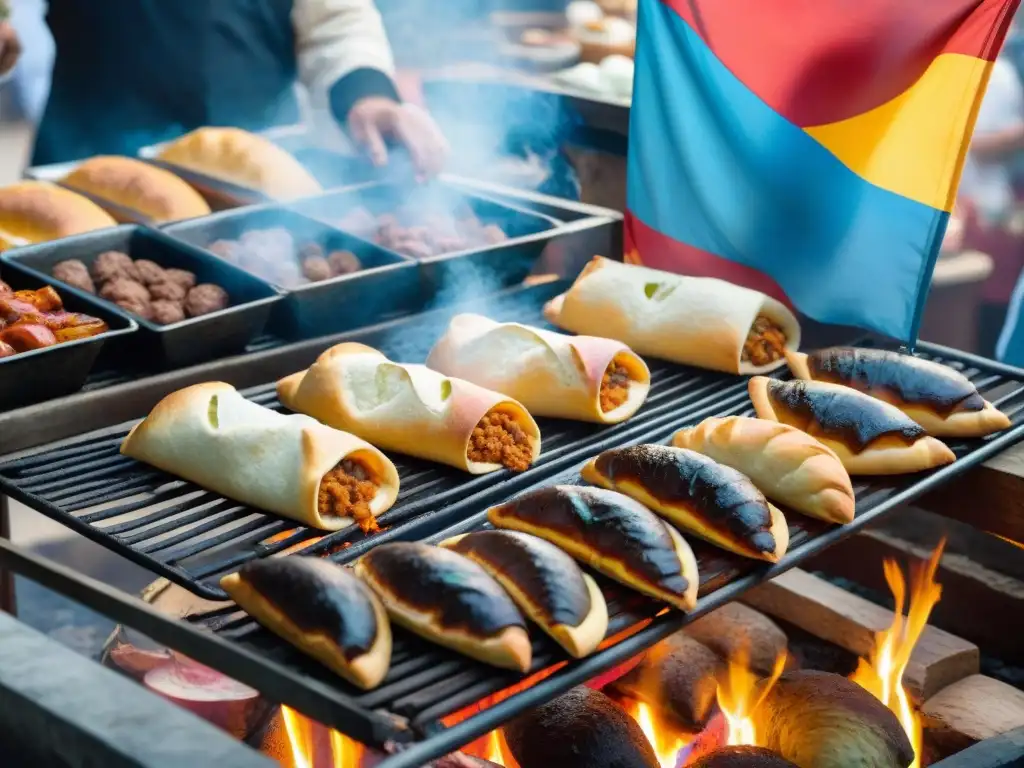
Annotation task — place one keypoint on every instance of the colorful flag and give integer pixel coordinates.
(807, 148)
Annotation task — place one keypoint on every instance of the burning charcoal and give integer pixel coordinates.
(168, 291)
(344, 262)
(150, 272)
(734, 628)
(316, 268)
(678, 674)
(123, 289)
(74, 273)
(581, 729)
(742, 757)
(204, 299)
(112, 265)
(136, 306)
(824, 720)
(163, 312)
(183, 277)
(225, 249)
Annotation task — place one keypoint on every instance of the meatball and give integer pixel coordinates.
(205, 298)
(123, 289)
(182, 277)
(150, 272)
(226, 249)
(417, 249)
(311, 251)
(168, 291)
(165, 312)
(316, 268)
(493, 234)
(74, 273)
(344, 262)
(136, 305)
(111, 265)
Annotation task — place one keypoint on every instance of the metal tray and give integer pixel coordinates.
(388, 285)
(193, 340)
(433, 700)
(31, 377)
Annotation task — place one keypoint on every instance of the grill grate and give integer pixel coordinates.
(194, 537)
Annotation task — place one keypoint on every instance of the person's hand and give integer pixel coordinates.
(10, 47)
(373, 120)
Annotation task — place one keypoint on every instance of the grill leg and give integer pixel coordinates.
(7, 601)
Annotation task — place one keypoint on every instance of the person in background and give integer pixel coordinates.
(130, 73)
(992, 220)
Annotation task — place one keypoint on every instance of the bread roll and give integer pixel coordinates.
(691, 320)
(544, 582)
(322, 609)
(35, 212)
(611, 533)
(414, 410)
(941, 400)
(448, 599)
(292, 465)
(787, 465)
(150, 193)
(243, 159)
(696, 494)
(869, 436)
(551, 374)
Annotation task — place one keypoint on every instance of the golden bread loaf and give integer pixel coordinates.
(35, 211)
(244, 159)
(150, 192)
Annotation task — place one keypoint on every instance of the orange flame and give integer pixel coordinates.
(740, 693)
(665, 740)
(308, 751)
(882, 673)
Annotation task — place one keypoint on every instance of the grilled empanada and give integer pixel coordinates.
(787, 465)
(869, 436)
(941, 400)
(611, 533)
(697, 494)
(322, 609)
(545, 583)
(448, 599)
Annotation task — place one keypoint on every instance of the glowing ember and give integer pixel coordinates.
(330, 750)
(882, 673)
(666, 740)
(740, 694)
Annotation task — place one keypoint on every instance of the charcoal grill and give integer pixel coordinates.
(426, 684)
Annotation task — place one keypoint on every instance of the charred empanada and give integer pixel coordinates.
(545, 583)
(697, 494)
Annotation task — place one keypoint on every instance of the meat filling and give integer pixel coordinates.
(614, 387)
(346, 491)
(498, 439)
(765, 343)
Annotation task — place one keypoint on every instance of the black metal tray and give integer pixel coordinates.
(193, 340)
(31, 377)
(485, 268)
(428, 703)
(387, 286)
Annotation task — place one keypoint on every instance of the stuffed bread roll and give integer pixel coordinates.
(611, 533)
(292, 465)
(551, 374)
(414, 410)
(787, 465)
(322, 609)
(544, 582)
(941, 400)
(692, 320)
(448, 599)
(697, 494)
(869, 436)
